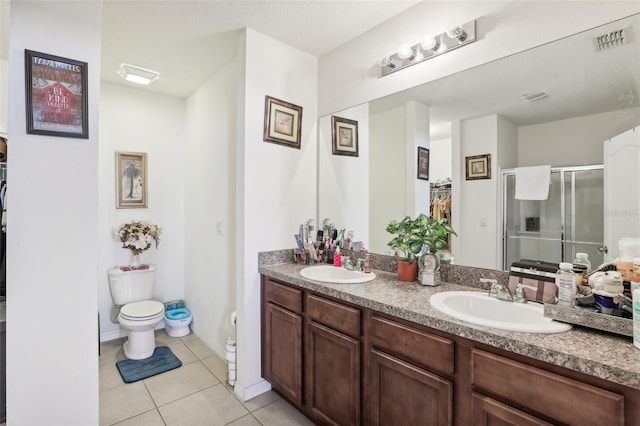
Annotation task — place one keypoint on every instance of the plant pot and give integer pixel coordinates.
(407, 271)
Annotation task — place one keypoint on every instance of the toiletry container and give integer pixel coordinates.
(566, 281)
(583, 259)
(367, 263)
(337, 257)
(636, 316)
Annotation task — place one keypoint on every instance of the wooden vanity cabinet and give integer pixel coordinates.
(409, 379)
(282, 339)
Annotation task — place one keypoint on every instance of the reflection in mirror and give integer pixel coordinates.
(592, 95)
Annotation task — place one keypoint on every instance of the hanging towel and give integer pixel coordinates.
(532, 183)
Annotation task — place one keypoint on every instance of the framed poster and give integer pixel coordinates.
(344, 136)
(282, 122)
(423, 163)
(131, 180)
(56, 91)
(478, 167)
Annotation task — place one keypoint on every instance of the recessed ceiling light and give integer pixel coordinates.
(138, 75)
(534, 96)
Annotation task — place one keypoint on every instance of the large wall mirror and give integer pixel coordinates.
(591, 94)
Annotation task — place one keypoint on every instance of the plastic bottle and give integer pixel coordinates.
(635, 294)
(367, 263)
(583, 259)
(566, 281)
(337, 257)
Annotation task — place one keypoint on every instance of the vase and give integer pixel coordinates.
(445, 256)
(135, 260)
(407, 272)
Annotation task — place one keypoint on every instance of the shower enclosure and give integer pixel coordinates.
(570, 221)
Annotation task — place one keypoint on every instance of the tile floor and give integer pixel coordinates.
(194, 394)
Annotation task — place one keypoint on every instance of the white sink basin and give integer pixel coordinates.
(480, 309)
(333, 274)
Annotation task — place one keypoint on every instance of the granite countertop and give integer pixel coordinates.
(606, 356)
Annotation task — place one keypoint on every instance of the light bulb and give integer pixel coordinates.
(387, 62)
(406, 52)
(456, 31)
(430, 43)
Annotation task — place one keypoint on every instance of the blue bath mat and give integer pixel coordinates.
(161, 361)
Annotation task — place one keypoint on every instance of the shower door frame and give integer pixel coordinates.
(562, 169)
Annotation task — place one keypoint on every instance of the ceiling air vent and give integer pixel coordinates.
(534, 96)
(612, 39)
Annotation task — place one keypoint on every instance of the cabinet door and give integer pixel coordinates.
(489, 412)
(402, 394)
(283, 351)
(333, 376)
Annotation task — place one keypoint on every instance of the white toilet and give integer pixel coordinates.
(131, 292)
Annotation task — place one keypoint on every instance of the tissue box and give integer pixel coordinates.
(535, 273)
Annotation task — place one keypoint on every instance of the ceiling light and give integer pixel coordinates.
(429, 47)
(138, 75)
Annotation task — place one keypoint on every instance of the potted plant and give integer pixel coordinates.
(412, 236)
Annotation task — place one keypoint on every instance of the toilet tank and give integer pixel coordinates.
(131, 286)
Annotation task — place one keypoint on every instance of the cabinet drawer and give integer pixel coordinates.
(285, 296)
(424, 349)
(551, 395)
(342, 318)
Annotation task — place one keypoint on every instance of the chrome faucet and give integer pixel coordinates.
(499, 291)
(347, 264)
(519, 297)
(359, 265)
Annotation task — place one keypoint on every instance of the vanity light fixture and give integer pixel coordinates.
(429, 46)
(138, 75)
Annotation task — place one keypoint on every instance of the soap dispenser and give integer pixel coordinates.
(337, 257)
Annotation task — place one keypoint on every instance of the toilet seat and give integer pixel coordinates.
(178, 314)
(142, 311)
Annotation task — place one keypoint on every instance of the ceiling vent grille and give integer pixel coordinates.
(613, 39)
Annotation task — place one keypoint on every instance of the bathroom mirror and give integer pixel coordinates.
(592, 94)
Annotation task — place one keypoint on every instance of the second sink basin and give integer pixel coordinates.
(480, 309)
(334, 274)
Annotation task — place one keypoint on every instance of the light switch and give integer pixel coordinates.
(483, 222)
(219, 228)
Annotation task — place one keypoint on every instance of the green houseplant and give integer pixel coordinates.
(412, 235)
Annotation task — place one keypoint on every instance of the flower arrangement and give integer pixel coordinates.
(137, 236)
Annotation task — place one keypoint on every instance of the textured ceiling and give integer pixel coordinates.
(188, 40)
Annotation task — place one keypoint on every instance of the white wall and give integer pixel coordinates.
(416, 135)
(475, 217)
(343, 191)
(387, 183)
(4, 95)
(349, 75)
(140, 121)
(209, 200)
(277, 183)
(440, 160)
(581, 138)
(52, 233)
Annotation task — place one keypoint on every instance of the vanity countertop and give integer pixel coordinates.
(606, 356)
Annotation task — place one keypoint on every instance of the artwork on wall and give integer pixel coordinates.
(282, 122)
(56, 92)
(344, 136)
(423, 163)
(478, 167)
(131, 179)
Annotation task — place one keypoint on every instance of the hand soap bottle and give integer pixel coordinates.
(337, 257)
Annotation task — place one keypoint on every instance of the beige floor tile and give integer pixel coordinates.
(182, 381)
(280, 413)
(261, 400)
(150, 418)
(213, 406)
(218, 366)
(176, 345)
(111, 352)
(109, 377)
(198, 347)
(247, 420)
(123, 402)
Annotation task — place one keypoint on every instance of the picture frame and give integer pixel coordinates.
(478, 167)
(56, 96)
(423, 163)
(131, 180)
(282, 122)
(344, 136)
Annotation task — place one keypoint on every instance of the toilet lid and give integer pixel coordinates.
(142, 310)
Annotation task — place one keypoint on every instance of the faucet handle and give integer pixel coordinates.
(493, 292)
(347, 264)
(520, 297)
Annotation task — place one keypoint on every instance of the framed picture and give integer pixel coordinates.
(478, 167)
(344, 136)
(56, 91)
(131, 179)
(423, 163)
(282, 122)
